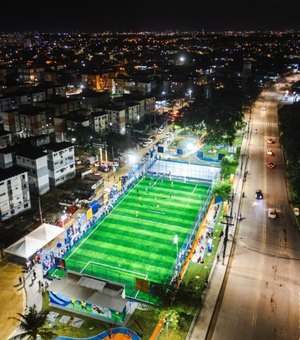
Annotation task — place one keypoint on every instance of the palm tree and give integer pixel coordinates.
(33, 325)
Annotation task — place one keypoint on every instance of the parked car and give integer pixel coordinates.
(103, 168)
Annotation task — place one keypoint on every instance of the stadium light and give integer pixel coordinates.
(132, 159)
(190, 146)
(175, 241)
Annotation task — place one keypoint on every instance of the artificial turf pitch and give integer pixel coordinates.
(135, 240)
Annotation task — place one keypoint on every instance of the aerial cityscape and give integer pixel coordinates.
(149, 171)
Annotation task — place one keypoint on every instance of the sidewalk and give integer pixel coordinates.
(33, 293)
(33, 290)
(202, 319)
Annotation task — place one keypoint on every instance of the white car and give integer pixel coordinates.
(269, 152)
(272, 213)
(270, 141)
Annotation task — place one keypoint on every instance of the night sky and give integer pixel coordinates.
(161, 15)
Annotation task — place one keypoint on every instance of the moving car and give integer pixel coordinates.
(270, 141)
(269, 152)
(272, 213)
(271, 165)
(258, 194)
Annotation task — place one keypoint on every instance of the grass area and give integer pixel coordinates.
(207, 151)
(136, 239)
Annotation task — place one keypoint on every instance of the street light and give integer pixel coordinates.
(175, 241)
(132, 159)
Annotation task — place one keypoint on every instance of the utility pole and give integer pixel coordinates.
(227, 224)
(106, 160)
(113, 157)
(40, 210)
(100, 149)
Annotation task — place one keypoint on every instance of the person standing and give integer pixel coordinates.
(40, 285)
(34, 274)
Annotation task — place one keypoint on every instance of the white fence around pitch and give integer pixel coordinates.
(184, 170)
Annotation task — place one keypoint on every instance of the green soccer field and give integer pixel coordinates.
(135, 240)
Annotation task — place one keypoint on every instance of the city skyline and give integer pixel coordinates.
(153, 16)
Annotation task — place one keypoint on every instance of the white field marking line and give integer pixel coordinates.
(118, 268)
(156, 222)
(195, 188)
(85, 266)
(129, 191)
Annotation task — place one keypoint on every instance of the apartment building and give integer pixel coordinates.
(117, 118)
(5, 139)
(100, 121)
(14, 192)
(7, 157)
(36, 164)
(97, 80)
(61, 105)
(132, 113)
(5, 104)
(61, 162)
(33, 120)
(92, 99)
(27, 96)
(10, 121)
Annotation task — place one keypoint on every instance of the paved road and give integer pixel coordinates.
(260, 297)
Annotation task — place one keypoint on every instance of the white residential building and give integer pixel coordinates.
(100, 121)
(6, 158)
(14, 192)
(61, 162)
(36, 163)
(117, 118)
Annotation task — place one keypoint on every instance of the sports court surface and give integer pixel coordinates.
(135, 240)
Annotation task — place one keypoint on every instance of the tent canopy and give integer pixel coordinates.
(37, 239)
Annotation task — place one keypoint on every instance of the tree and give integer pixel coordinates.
(228, 166)
(222, 189)
(220, 119)
(33, 325)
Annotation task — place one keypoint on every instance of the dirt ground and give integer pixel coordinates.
(12, 297)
